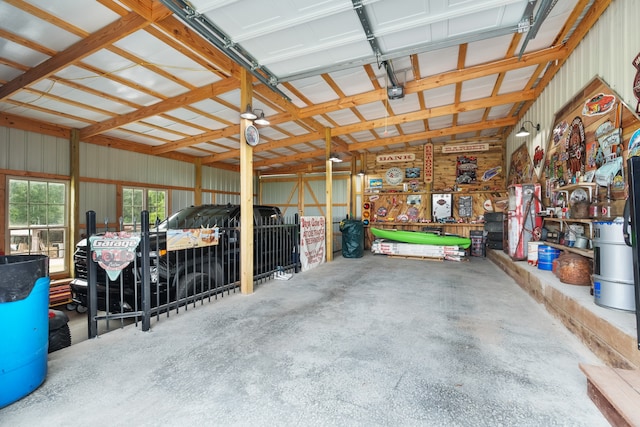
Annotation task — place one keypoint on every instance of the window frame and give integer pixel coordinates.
(145, 205)
(23, 234)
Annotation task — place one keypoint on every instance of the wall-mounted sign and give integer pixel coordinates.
(428, 163)
(114, 251)
(396, 157)
(312, 241)
(464, 148)
(192, 238)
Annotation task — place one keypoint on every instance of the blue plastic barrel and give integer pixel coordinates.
(24, 325)
(546, 255)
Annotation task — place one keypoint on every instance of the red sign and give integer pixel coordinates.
(428, 162)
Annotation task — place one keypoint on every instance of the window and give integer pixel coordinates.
(38, 220)
(135, 200)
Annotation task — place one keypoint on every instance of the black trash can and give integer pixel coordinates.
(24, 325)
(352, 238)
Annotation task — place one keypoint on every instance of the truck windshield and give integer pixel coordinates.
(198, 217)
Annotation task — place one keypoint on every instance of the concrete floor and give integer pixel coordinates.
(371, 341)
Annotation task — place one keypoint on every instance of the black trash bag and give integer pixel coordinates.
(352, 238)
(18, 275)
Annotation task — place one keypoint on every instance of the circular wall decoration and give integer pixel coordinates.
(576, 146)
(393, 176)
(252, 135)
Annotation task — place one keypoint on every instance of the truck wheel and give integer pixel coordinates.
(216, 275)
(197, 282)
(60, 338)
(191, 284)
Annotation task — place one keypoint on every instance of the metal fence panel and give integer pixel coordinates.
(183, 278)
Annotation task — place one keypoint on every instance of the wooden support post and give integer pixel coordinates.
(197, 191)
(301, 184)
(329, 195)
(246, 190)
(74, 197)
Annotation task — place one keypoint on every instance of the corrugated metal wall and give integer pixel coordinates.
(111, 164)
(99, 198)
(226, 183)
(28, 151)
(606, 52)
(284, 192)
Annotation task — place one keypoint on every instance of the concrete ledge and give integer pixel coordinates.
(609, 333)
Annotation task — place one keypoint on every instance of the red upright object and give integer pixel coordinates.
(524, 224)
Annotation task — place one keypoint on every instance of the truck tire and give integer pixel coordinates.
(60, 338)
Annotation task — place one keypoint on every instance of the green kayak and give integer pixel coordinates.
(421, 238)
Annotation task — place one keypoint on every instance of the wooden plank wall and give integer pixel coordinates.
(395, 200)
(444, 168)
(621, 116)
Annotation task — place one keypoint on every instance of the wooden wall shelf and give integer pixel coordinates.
(584, 252)
(565, 221)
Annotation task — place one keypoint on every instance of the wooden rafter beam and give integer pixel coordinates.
(83, 48)
(216, 134)
(179, 101)
(403, 118)
(432, 82)
(23, 123)
(439, 111)
(588, 21)
(434, 134)
(151, 10)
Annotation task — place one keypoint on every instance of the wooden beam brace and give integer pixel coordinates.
(96, 41)
(510, 121)
(431, 82)
(179, 101)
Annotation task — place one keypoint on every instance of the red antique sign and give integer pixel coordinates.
(428, 163)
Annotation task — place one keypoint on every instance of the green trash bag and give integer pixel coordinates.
(352, 238)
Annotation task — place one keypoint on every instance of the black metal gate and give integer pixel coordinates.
(158, 282)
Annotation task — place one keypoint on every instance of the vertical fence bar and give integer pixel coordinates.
(145, 269)
(296, 243)
(92, 277)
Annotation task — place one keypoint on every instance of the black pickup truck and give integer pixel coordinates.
(176, 275)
